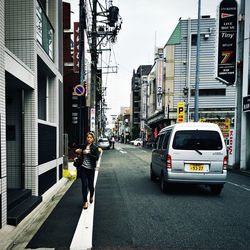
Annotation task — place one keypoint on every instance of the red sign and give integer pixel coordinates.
(76, 47)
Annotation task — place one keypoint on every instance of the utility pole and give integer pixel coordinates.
(108, 27)
(197, 79)
(238, 118)
(94, 61)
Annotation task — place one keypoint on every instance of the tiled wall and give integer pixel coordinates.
(3, 203)
(20, 30)
(18, 34)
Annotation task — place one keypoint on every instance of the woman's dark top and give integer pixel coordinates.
(93, 155)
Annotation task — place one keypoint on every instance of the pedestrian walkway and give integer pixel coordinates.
(64, 226)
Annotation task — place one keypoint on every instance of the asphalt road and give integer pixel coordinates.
(132, 213)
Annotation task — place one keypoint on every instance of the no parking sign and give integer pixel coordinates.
(79, 90)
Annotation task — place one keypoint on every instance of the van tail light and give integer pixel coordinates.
(169, 162)
(225, 162)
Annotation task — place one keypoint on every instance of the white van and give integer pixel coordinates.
(193, 152)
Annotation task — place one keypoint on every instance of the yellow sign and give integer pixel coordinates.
(223, 123)
(180, 112)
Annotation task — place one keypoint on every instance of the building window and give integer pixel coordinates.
(42, 97)
(44, 31)
(194, 40)
(209, 92)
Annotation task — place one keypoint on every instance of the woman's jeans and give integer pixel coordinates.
(87, 178)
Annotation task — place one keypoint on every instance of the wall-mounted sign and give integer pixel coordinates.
(227, 42)
(76, 47)
(246, 103)
(159, 83)
(92, 120)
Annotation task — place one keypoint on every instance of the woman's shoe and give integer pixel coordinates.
(85, 205)
(91, 200)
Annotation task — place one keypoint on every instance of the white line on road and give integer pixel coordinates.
(84, 229)
(237, 185)
(123, 152)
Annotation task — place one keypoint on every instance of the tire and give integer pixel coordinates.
(152, 175)
(163, 184)
(216, 188)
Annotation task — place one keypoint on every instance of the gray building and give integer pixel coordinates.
(137, 85)
(216, 100)
(31, 104)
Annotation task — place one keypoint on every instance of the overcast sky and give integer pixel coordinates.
(146, 23)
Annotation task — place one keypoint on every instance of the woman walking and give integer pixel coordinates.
(90, 154)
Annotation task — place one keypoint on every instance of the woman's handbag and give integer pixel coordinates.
(78, 164)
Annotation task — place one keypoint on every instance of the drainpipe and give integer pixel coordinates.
(22, 141)
(188, 67)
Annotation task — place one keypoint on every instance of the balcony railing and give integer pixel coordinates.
(44, 31)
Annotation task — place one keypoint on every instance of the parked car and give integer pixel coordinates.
(190, 153)
(103, 143)
(137, 142)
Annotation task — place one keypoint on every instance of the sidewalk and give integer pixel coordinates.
(9, 235)
(56, 222)
(239, 171)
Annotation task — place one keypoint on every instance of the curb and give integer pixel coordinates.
(238, 171)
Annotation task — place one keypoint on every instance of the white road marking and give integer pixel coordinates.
(240, 186)
(123, 152)
(82, 239)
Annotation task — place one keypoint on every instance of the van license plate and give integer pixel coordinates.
(196, 168)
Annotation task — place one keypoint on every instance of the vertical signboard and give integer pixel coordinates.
(246, 103)
(92, 120)
(144, 100)
(227, 41)
(180, 112)
(76, 47)
(159, 83)
(231, 148)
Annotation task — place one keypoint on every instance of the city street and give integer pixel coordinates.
(132, 213)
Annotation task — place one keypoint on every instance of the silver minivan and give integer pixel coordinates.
(193, 152)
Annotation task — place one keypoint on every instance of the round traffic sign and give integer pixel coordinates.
(79, 90)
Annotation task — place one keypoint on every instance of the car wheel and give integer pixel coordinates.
(216, 188)
(152, 175)
(138, 144)
(163, 184)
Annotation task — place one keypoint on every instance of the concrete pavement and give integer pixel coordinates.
(58, 222)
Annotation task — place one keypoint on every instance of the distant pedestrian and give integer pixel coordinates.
(113, 142)
(90, 154)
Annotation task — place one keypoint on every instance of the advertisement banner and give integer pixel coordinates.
(223, 123)
(159, 83)
(227, 42)
(231, 148)
(76, 47)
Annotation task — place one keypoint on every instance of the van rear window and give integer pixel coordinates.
(197, 140)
